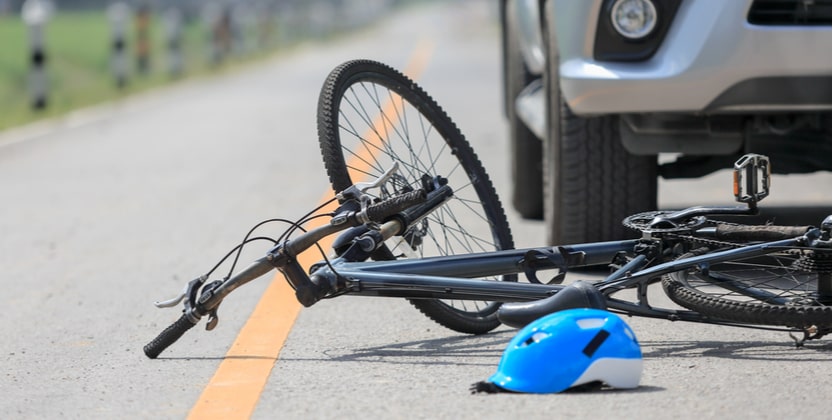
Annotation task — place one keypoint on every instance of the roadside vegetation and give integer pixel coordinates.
(79, 53)
(77, 47)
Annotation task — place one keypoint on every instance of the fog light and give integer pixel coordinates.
(633, 19)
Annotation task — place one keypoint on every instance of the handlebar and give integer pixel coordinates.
(169, 336)
(377, 213)
(282, 257)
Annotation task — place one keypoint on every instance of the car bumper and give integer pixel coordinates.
(711, 61)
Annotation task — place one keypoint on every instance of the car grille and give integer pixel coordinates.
(790, 12)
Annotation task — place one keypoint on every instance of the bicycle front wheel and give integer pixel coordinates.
(370, 116)
(788, 287)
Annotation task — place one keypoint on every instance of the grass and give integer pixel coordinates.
(78, 64)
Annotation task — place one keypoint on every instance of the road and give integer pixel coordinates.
(113, 208)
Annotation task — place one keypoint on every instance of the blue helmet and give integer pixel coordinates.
(567, 349)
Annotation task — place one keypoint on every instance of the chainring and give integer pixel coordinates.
(647, 223)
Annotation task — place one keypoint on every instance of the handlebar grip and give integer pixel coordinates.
(380, 211)
(168, 336)
(759, 233)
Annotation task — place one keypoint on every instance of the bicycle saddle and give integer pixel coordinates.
(576, 295)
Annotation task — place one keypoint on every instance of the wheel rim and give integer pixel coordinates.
(377, 127)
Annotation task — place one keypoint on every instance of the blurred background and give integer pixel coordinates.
(58, 55)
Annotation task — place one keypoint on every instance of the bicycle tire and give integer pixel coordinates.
(375, 115)
(776, 289)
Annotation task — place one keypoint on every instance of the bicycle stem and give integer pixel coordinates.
(283, 256)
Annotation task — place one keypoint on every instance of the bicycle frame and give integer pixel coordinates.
(365, 266)
(453, 277)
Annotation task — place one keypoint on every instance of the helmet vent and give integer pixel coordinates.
(595, 343)
(534, 338)
(588, 323)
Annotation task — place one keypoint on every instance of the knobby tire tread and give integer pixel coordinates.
(328, 108)
(600, 181)
(758, 313)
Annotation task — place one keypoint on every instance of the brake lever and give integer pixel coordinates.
(170, 303)
(357, 190)
(189, 287)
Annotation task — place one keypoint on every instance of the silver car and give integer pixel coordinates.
(596, 89)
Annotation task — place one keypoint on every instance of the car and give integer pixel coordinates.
(596, 90)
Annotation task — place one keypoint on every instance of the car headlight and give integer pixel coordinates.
(633, 19)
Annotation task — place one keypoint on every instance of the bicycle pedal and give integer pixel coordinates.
(751, 179)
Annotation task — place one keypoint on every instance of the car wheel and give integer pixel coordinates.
(525, 146)
(590, 182)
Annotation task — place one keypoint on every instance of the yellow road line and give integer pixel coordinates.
(235, 388)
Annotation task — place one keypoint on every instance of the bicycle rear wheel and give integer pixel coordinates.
(788, 287)
(370, 116)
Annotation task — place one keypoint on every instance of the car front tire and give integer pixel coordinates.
(590, 182)
(525, 146)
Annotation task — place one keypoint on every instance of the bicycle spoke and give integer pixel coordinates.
(767, 280)
(382, 119)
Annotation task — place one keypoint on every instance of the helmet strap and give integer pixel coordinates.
(487, 387)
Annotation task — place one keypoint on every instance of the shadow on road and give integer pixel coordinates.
(483, 350)
(814, 351)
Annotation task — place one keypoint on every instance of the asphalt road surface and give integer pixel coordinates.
(113, 208)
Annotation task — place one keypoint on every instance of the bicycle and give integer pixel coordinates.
(430, 228)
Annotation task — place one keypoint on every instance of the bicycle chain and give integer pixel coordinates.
(711, 243)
